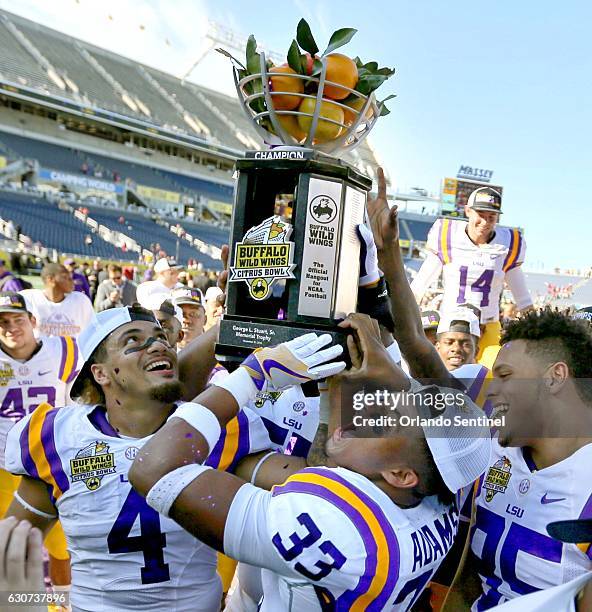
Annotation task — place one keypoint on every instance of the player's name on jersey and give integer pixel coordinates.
(433, 541)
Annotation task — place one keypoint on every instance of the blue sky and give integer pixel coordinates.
(502, 85)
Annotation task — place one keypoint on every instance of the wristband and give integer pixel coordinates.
(259, 464)
(164, 493)
(394, 351)
(240, 385)
(202, 419)
(32, 509)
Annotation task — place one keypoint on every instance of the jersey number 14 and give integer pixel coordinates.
(482, 285)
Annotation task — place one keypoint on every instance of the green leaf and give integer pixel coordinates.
(385, 71)
(253, 61)
(371, 66)
(294, 58)
(383, 109)
(305, 38)
(317, 67)
(233, 59)
(358, 62)
(339, 38)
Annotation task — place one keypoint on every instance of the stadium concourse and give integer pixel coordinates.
(130, 455)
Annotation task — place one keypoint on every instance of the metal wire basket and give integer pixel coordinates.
(254, 94)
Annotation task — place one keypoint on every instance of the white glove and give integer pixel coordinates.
(369, 272)
(294, 362)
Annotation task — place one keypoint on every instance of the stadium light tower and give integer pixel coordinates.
(220, 35)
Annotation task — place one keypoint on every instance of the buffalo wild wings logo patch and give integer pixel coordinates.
(6, 374)
(497, 478)
(264, 255)
(267, 396)
(91, 463)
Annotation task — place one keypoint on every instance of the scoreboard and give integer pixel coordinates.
(456, 192)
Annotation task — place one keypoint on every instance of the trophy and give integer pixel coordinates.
(294, 248)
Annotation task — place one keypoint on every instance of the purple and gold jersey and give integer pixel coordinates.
(124, 555)
(473, 273)
(44, 378)
(514, 504)
(329, 539)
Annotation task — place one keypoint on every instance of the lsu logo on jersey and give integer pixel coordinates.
(92, 463)
(497, 478)
(264, 396)
(6, 374)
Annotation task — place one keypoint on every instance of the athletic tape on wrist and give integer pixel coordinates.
(164, 493)
(202, 419)
(240, 385)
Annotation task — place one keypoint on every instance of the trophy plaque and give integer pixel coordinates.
(294, 247)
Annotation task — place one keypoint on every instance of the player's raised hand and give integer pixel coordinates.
(295, 362)
(21, 558)
(383, 220)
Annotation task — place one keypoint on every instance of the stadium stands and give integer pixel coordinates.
(42, 221)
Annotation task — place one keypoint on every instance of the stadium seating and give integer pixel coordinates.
(146, 232)
(42, 221)
(48, 155)
(418, 230)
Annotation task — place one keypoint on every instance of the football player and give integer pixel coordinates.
(191, 302)
(476, 258)
(32, 372)
(74, 463)
(57, 308)
(367, 534)
(538, 472)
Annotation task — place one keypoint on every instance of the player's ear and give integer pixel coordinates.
(99, 371)
(180, 336)
(401, 478)
(33, 321)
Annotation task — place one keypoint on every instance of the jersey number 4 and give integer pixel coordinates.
(150, 542)
(482, 285)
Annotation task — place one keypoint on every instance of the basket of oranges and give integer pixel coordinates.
(325, 102)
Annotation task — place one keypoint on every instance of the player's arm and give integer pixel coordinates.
(430, 270)
(516, 281)
(32, 503)
(194, 429)
(197, 359)
(268, 468)
(421, 355)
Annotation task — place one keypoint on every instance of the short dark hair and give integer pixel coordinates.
(51, 269)
(554, 336)
(432, 479)
(114, 268)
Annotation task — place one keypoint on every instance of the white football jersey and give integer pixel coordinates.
(331, 539)
(291, 418)
(44, 378)
(124, 555)
(514, 505)
(66, 318)
(473, 273)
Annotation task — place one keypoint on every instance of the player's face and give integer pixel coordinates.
(481, 223)
(170, 325)
(456, 349)
(170, 277)
(141, 362)
(194, 318)
(517, 393)
(374, 450)
(16, 330)
(116, 278)
(63, 281)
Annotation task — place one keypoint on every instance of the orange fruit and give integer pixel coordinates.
(343, 70)
(325, 131)
(290, 124)
(285, 83)
(357, 104)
